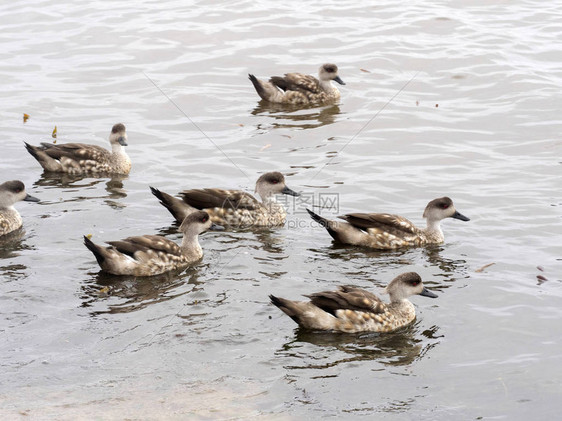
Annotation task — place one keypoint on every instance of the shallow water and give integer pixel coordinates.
(442, 98)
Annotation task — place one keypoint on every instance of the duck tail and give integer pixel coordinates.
(258, 86)
(38, 152)
(178, 208)
(286, 306)
(99, 252)
(317, 218)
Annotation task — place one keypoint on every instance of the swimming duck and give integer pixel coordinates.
(149, 255)
(351, 309)
(10, 193)
(384, 231)
(233, 208)
(79, 158)
(298, 88)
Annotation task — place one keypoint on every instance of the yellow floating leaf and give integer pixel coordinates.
(89, 236)
(104, 290)
(25, 117)
(54, 134)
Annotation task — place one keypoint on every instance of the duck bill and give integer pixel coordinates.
(29, 198)
(216, 227)
(427, 293)
(122, 141)
(338, 79)
(458, 215)
(287, 190)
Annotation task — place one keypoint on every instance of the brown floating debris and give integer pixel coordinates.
(265, 147)
(417, 103)
(484, 267)
(25, 117)
(436, 105)
(365, 70)
(540, 268)
(541, 278)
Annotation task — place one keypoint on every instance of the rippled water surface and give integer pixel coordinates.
(442, 98)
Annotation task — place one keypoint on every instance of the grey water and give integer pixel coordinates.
(441, 98)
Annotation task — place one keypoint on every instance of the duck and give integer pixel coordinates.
(150, 255)
(384, 231)
(353, 310)
(12, 192)
(233, 208)
(300, 89)
(80, 158)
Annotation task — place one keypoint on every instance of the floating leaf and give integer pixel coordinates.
(436, 105)
(25, 117)
(104, 290)
(54, 134)
(265, 147)
(89, 236)
(365, 70)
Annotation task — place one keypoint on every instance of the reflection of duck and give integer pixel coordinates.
(114, 186)
(149, 255)
(401, 348)
(297, 88)
(352, 309)
(233, 208)
(134, 293)
(386, 231)
(80, 158)
(12, 192)
(303, 117)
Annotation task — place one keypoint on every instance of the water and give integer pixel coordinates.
(442, 98)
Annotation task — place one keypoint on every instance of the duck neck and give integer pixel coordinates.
(433, 230)
(328, 86)
(190, 246)
(117, 149)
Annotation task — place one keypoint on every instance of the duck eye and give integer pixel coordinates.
(415, 283)
(204, 219)
(444, 206)
(275, 181)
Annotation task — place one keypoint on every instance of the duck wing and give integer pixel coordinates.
(218, 198)
(347, 298)
(296, 82)
(381, 222)
(76, 151)
(145, 243)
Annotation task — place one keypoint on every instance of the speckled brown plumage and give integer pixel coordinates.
(298, 88)
(80, 158)
(149, 255)
(351, 309)
(386, 231)
(233, 208)
(12, 192)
